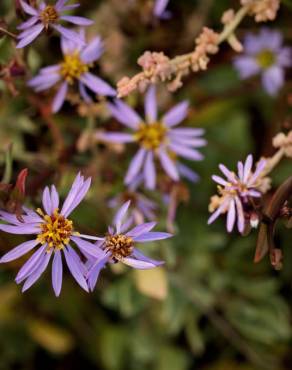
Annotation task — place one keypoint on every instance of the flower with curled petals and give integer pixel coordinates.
(48, 16)
(157, 139)
(53, 233)
(74, 69)
(265, 55)
(236, 192)
(119, 245)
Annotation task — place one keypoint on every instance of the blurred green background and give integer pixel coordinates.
(209, 307)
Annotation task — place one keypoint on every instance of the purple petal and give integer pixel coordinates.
(78, 197)
(187, 173)
(19, 251)
(71, 35)
(230, 176)
(21, 229)
(119, 216)
(284, 57)
(168, 165)
(75, 268)
(240, 169)
(125, 114)
(47, 204)
(137, 264)
(246, 66)
(141, 229)
(273, 80)
(28, 9)
(140, 256)
(43, 263)
(79, 21)
(247, 168)
(151, 104)
(188, 132)
(149, 171)
(219, 211)
(240, 215)
(89, 248)
(69, 7)
(60, 97)
(219, 180)
(230, 216)
(92, 51)
(85, 96)
(60, 4)
(97, 85)
(29, 23)
(30, 264)
(186, 152)
(57, 273)
(95, 271)
(195, 142)
(34, 32)
(152, 236)
(159, 7)
(135, 165)
(259, 168)
(54, 198)
(116, 137)
(75, 188)
(176, 114)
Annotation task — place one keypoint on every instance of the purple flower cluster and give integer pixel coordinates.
(48, 16)
(53, 233)
(157, 138)
(236, 192)
(265, 55)
(78, 57)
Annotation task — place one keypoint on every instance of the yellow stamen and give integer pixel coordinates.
(56, 231)
(119, 245)
(151, 136)
(73, 67)
(49, 15)
(266, 58)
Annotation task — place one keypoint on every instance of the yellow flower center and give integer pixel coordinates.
(119, 245)
(73, 67)
(266, 58)
(151, 136)
(56, 231)
(49, 15)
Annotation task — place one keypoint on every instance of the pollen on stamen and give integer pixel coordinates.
(73, 67)
(49, 15)
(151, 136)
(55, 231)
(119, 245)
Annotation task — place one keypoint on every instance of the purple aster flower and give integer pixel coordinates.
(53, 233)
(78, 58)
(265, 55)
(236, 192)
(119, 245)
(141, 208)
(157, 138)
(160, 9)
(48, 16)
